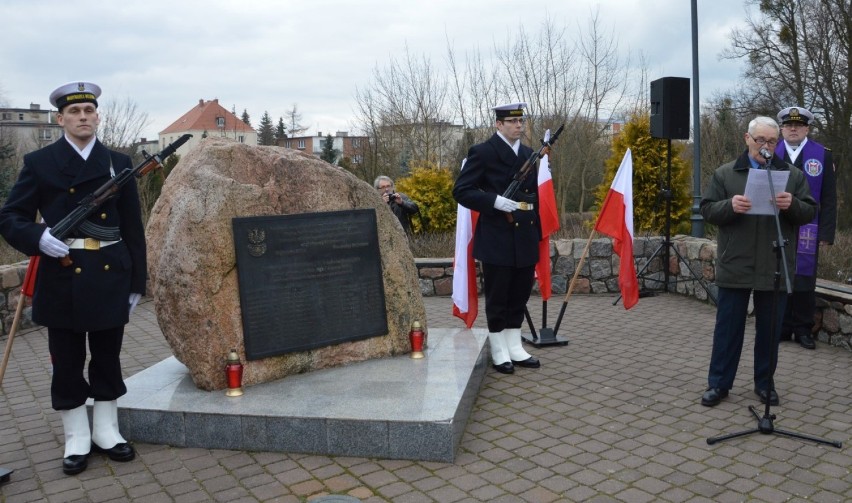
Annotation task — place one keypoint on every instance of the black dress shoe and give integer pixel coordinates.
(806, 341)
(505, 368)
(713, 396)
(75, 463)
(119, 452)
(530, 363)
(773, 396)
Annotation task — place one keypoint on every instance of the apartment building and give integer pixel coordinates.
(29, 128)
(347, 146)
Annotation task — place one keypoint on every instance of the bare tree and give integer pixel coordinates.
(294, 119)
(567, 76)
(404, 111)
(797, 53)
(580, 82)
(122, 123)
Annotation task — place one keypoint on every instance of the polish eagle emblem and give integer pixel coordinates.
(256, 242)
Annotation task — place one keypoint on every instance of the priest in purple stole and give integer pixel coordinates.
(818, 165)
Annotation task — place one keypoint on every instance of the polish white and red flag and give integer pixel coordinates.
(616, 221)
(465, 294)
(549, 222)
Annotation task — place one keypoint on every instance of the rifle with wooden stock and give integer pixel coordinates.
(107, 191)
(527, 168)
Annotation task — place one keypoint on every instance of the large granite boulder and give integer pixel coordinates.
(192, 262)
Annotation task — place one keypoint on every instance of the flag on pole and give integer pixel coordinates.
(465, 293)
(549, 223)
(616, 221)
(28, 286)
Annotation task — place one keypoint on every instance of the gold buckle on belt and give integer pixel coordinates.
(525, 206)
(91, 244)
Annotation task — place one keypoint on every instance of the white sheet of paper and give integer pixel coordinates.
(757, 189)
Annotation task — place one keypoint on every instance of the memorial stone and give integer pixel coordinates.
(193, 274)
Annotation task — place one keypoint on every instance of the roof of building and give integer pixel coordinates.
(202, 117)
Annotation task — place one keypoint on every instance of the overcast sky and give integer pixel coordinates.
(265, 55)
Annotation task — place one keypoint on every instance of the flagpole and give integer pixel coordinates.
(26, 291)
(8, 351)
(573, 281)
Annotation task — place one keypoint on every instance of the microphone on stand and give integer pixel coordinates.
(767, 154)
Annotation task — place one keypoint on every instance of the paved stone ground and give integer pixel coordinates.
(613, 416)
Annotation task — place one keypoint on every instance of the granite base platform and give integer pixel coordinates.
(395, 408)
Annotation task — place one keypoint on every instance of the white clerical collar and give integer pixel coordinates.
(515, 146)
(794, 152)
(85, 151)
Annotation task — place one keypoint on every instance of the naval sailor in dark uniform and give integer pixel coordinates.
(91, 299)
(507, 233)
(817, 163)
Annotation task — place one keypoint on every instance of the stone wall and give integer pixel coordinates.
(11, 279)
(694, 259)
(597, 275)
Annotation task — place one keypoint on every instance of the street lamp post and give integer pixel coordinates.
(696, 219)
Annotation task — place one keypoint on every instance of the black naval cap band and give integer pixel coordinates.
(68, 99)
(518, 112)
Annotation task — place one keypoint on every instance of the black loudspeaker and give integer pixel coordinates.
(670, 108)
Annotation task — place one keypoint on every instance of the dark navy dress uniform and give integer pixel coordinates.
(90, 296)
(497, 242)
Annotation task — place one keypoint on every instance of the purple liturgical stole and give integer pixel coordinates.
(813, 165)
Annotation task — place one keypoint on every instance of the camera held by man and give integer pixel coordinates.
(400, 204)
(392, 197)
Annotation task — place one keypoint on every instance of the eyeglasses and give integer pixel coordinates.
(763, 141)
(514, 121)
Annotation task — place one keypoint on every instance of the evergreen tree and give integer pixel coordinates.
(8, 170)
(650, 166)
(329, 153)
(280, 131)
(266, 131)
(246, 117)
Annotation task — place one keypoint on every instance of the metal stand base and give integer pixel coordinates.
(546, 337)
(5, 474)
(765, 426)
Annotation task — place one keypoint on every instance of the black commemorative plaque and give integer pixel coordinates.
(309, 280)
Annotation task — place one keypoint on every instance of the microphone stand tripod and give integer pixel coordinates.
(765, 424)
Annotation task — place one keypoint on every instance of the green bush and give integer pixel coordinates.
(431, 188)
(649, 178)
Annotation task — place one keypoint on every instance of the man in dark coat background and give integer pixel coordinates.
(507, 233)
(817, 163)
(91, 299)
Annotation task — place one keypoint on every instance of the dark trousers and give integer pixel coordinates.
(799, 314)
(507, 290)
(69, 388)
(729, 334)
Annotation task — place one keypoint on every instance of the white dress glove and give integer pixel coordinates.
(134, 299)
(503, 204)
(51, 246)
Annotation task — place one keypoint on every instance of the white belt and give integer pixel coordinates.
(88, 244)
(525, 206)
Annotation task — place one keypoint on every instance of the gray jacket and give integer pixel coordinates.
(745, 255)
